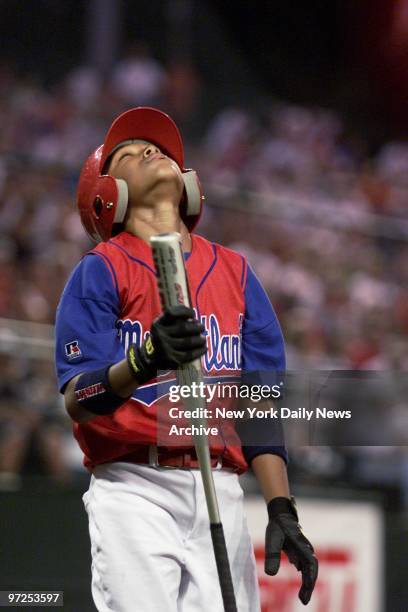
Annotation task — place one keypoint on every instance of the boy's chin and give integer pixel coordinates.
(169, 182)
(169, 190)
(169, 171)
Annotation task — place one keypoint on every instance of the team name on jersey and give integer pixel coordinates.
(223, 350)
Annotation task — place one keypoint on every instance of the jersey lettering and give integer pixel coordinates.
(131, 332)
(224, 350)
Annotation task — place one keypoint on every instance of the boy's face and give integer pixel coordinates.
(146, 171)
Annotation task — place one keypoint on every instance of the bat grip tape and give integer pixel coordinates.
(223, 567)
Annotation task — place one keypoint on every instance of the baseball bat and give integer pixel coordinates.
(173, 288)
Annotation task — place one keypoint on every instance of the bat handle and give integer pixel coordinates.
(223, 567)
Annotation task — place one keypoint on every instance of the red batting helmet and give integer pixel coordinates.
(102, 200)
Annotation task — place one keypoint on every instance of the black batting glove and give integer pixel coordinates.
(284, 533)
(175, 338)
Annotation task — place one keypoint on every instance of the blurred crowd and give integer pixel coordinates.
(321, 218)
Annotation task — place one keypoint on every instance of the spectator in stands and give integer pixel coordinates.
(29, 418)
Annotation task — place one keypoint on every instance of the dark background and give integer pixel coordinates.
(352, 56)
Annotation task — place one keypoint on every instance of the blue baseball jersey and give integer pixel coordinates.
(111, 300)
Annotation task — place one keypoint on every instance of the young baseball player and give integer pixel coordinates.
(148, 522)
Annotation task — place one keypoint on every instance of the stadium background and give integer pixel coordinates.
(295, 116)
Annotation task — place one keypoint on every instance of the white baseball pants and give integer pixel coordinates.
(151, 543)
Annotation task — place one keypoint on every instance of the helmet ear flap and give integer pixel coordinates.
(194, 199)
(102, 200)
(122, 200)
(110, 204)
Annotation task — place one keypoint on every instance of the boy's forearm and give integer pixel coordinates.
(271, 473)
(122, 383)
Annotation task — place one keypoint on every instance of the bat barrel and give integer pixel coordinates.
(169, 261)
